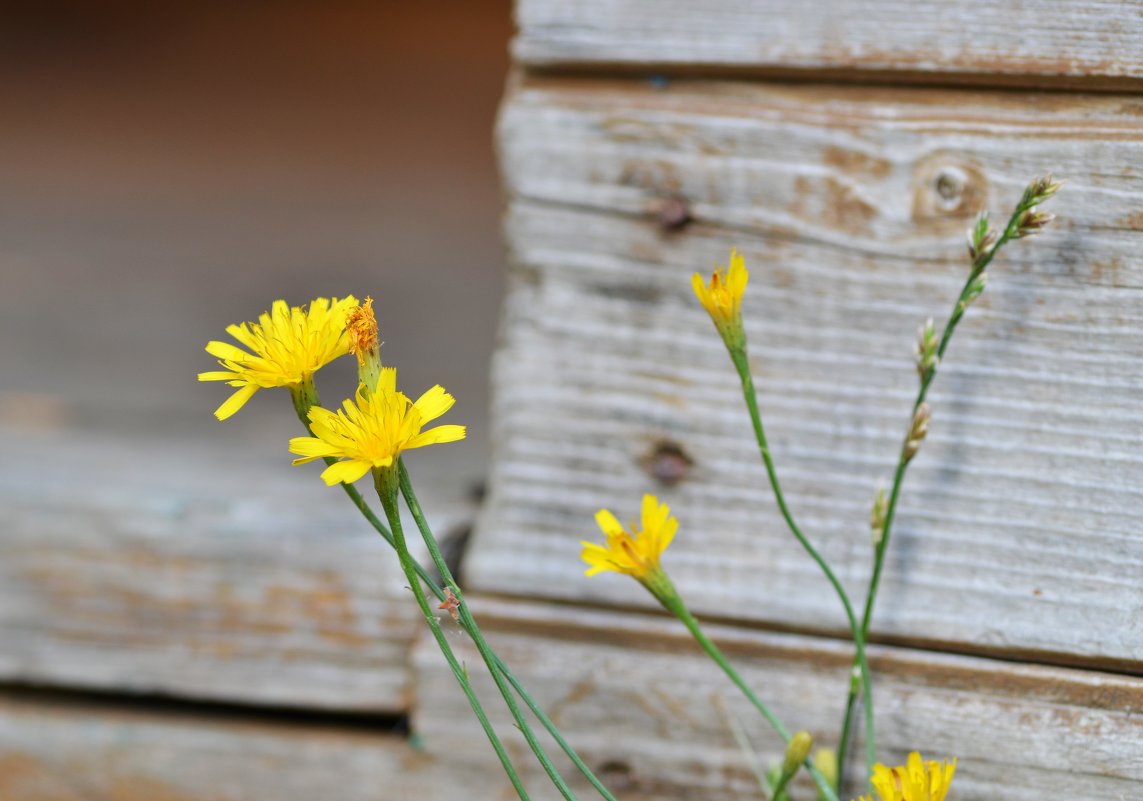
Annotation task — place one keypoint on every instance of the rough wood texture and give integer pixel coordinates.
(1027, 42)
(1018, 528)
(642, 704)
(52, 752)
(175, 568)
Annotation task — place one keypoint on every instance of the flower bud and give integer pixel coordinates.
(925, 349)
(1039, 190)
(825, 760)
(797, 750)
(877, 515)
(1032, 222)
(917, 432)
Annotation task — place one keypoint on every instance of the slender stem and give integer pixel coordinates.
(676, 607)
(302, 405)
(780, 787)
(387, 491)
(903, 461)
(473, 629)
(553, 731)
(738, 355)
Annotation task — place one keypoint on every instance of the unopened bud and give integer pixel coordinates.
(925, 349)
(797, 751)
(825, 760)
(917, 431)
(877, 515)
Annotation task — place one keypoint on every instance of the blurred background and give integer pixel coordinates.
(167, 169)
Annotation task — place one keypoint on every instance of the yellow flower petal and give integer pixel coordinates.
(224, 350)
(235, 401)
(607, 522)
(434, 403)
(436, 436)
(345, 472)
(309, 448)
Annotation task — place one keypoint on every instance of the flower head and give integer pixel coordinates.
(635, 552)
(361, 325)
(287, 346)
(373, 430)
(722, 298)
(917, 780)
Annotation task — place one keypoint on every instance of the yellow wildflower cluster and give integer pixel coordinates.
(289, 344)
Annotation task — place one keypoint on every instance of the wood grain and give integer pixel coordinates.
(56, 752)
(644, 706)
(1018, 529)
(173, 567)
(1030, 42)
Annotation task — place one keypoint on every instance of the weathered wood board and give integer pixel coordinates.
(1028, 42)
(196, 570)
(60, 752)
(1018, 528)
(646, 708)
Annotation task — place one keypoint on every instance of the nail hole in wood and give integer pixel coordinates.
(616, 775)
(668, 463)
(674, 213)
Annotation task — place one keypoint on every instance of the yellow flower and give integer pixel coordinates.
(372, 431)
(722, 298)
(915, 781)
(288, 345)
(635, 553)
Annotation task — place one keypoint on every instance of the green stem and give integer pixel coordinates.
(738, 356)
(465, 616)
(387, 491)
(780, 787)
(674, 604)
(428, 580)
(903, 461)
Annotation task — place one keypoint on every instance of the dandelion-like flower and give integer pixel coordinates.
(286, 346)
(635, 552)
(917, 780)
(722, 298)
(371, 431)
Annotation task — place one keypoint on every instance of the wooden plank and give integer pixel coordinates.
(1018, 529)
(642, 704)
(196, 569)
(1031, 42)
(53, 752)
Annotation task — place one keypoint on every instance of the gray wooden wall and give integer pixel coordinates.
(843, 148)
